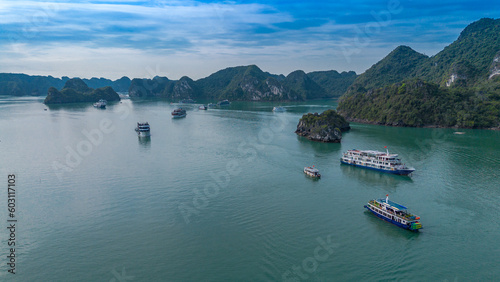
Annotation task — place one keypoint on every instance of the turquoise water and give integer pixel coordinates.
(220, 196)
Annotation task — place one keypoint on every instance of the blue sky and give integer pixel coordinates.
(196, 38)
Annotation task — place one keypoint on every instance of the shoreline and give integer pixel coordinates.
(363, 121)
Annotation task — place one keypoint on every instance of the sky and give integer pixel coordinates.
(143, 39)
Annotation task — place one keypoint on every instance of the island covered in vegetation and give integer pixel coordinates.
(325, 127)
(247, 83)
(76, 91)
(458, 87)
(243, 83)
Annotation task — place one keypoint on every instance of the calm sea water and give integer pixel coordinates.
(220, 196)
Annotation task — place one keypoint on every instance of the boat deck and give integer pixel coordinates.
(403, 210)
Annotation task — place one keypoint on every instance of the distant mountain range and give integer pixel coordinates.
(459, 86)
(35, 85)
(248, 83)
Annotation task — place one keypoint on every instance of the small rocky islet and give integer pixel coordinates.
(325, 127)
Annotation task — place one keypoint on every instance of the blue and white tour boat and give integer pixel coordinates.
(394, 213)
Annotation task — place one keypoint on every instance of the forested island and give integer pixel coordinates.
(247, 83)
(458, 87)
(17, 84)
(76, 91)
(243, 83)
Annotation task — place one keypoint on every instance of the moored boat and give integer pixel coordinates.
(223, 103)
(202, 107)
(179, 113)
(312, 172)
(101, 104)
(394, 213)
(143, 129)
(381, 161)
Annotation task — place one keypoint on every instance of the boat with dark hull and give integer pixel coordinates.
(394, 213)
(380, 161)
(179, 113)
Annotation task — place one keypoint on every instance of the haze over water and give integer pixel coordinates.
(220, 196)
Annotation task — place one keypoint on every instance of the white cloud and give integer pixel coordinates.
(115, 38)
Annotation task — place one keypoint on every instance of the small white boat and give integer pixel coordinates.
(202, 107)
(143, 129)
(279, 109)
(101, 104)
(179, 113)
(312, 172)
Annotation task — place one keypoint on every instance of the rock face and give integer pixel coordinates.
(325, 127)
(495, 66)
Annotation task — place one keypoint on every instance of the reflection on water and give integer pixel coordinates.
(319, 147)
(372, 177)
(145, 141)
(311, 178)
(70, 107)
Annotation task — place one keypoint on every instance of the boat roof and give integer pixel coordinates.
(375, 153)
(312, 169)
(393, 204)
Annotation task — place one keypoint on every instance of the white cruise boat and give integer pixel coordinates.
(143, 129)
(279, 109)
(101, 104)
(381, 161)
